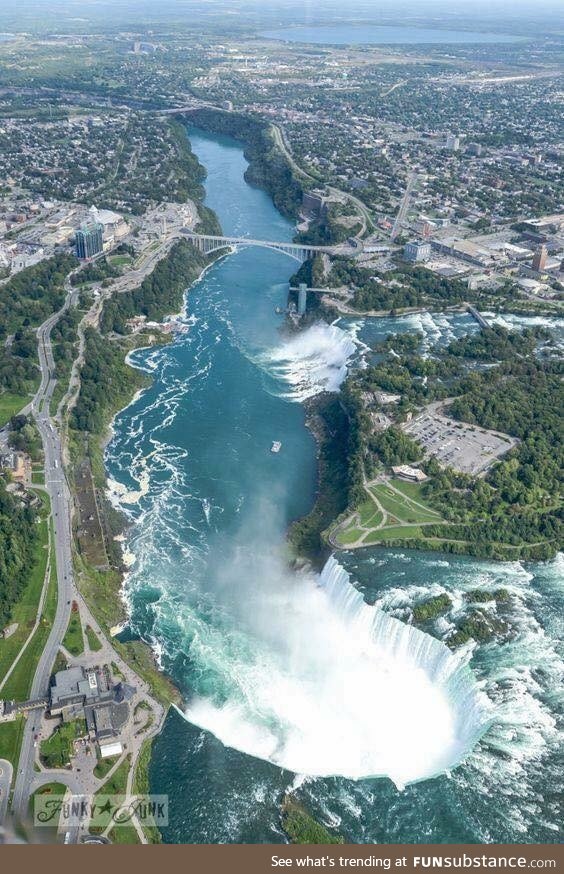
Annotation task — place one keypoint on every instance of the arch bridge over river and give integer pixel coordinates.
(208, 243)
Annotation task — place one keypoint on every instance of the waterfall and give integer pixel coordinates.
(313, 361)
(417, 650)
(316, 681)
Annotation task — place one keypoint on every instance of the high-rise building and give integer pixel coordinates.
(89, 240)
(417, 251)
(539, 259)
(314, 206)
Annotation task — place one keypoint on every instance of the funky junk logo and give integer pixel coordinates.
(100, 811)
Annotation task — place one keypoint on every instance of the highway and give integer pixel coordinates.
(58, 490)
(27, 779)
(282, 143)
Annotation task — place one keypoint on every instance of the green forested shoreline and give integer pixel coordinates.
(18, 536)
(267, 166)
(161, 292)
(515, 510)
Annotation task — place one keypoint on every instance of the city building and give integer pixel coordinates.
(17, 464)
(539, 258)
(452, 143)
(89, 240)
(412, 474)
(88, 693)
(417, 251)
(314, 206)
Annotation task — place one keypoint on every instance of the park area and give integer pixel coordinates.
(394, 509)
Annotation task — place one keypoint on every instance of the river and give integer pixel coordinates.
(280, 669)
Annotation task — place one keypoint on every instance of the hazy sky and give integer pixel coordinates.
(58, 14)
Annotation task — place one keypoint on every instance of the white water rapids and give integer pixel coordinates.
(311, 361)
(336, 687)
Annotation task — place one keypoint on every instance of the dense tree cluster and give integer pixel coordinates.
(497, 343)
(33, 294)
(96, 271)
(19, 371)
(392, 446)
(106, 382)
(18, 536)
(25, 437)
(26, 300)
(159, 294)
(267, 166)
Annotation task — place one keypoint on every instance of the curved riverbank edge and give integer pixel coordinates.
(103, 586)
(139, 653)
(268, 168)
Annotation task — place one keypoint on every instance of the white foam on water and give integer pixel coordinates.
(311, 362)
(335, 687)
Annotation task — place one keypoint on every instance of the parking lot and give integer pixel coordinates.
(466, 448)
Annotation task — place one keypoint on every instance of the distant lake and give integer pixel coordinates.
(380, 35)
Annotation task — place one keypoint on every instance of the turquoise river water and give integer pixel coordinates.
(302, 682)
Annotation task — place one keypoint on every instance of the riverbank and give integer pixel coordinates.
(328, 422)
(267, 168)
(103, 569)
(479, 499)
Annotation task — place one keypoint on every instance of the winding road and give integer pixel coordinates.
(57, 488)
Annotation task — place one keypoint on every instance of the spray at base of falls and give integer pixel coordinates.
(335, 687)
(312, 361)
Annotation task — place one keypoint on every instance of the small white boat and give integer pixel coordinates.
(276, 446)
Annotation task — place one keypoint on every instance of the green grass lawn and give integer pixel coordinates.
(104, 766)
(18, 686)
(399, 508)
(24, 612)
(48, 790)
(60, 663)
(11, 735)
(370, 515)
(141, 786)
(123, 834)
(44, 795)
(10, 405)
(402, 532)
(349, 535)
(120, 260)
(56, 751)
(73, 641)
(92, 638)
(38, 477)
(412, 490)
(51, 789)
(116, 785)
(402, 507)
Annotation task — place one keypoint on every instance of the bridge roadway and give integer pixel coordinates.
(300, 252)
